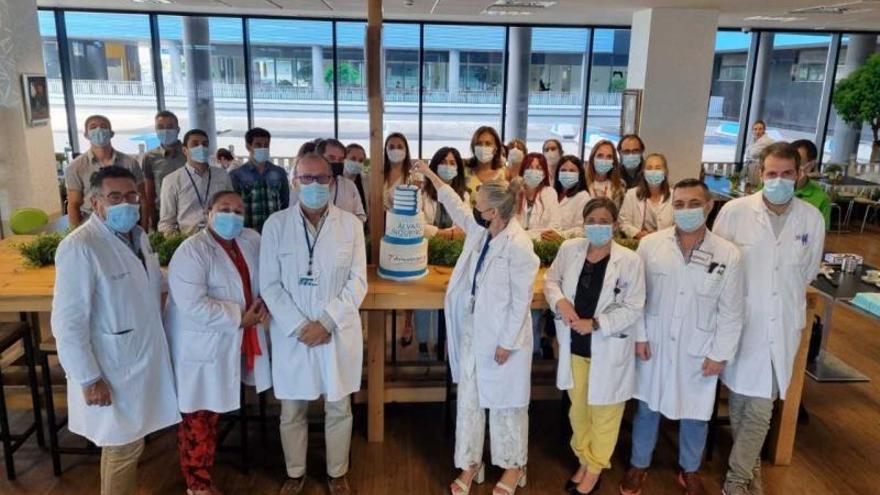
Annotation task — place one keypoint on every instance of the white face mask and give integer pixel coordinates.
(484, 153)
(514, 157)
(396, 155)
(552, 157)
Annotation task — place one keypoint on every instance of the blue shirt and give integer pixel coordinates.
(263, 194)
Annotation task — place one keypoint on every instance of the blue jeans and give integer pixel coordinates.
(426, 325)
(691, 439)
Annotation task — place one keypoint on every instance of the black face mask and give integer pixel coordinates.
(478, 217)
(338, 168)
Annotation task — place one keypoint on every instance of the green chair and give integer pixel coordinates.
(27, 221)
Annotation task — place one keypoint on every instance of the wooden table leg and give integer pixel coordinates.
(376, 376)
(785, 418)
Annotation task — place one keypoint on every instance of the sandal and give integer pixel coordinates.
(459, 487)
(503, 489)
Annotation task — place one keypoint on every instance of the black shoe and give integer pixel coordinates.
(570, 485)
(574, 489)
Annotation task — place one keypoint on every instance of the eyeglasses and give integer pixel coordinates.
(321, 179)
(116, 198)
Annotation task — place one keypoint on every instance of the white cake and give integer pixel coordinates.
(403, 253)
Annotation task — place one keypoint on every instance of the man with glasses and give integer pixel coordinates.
(186, 191)
(100, 154)
(313, 279)
(107, 322)
(161, 161)
(343, 191)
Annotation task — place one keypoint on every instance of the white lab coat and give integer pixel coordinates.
(501, 316)
(333, 369)
(618, 313)
(690, 315)
(430, 208)
(777, 273)
(107, 323)
(571, 214)
(544, 214)
(636, 214)
(203, 321)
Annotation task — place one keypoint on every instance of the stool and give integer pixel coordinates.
(10, 333)
(874, 205)
(55, 450)
(241, 419)
(835, 206)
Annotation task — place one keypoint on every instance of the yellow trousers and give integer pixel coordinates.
(594, 428)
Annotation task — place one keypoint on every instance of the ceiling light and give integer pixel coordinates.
(156, 2)
(769, 18)
(506, 12)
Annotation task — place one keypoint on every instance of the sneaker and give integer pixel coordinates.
(632, 481)
(756, 486)
(691, 483)
(735, 488)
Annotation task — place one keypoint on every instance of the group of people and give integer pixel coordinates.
(266, 292)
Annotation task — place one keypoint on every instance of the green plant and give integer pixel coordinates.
(40, 251)
(348, 75)
(165, 245)
(857, 99)
(546, 251)
(627, 243)
(444, 252)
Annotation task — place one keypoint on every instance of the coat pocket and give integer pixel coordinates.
(118, 349)
(199, 347)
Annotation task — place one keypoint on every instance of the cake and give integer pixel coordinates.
(403, 252)
(868, 301)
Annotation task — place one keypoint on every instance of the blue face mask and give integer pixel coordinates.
(689, 220)
(655, 177)
(447, 172)
(123, 217)
(568, 179)
(779, 191)
(199, 154)
(598, 234)
(261, 155)
(631, 161)
(603, 165)
(533, 177)
(353, 167)
(314, 195)
(227, 225)
(167, 137)
(100, 136)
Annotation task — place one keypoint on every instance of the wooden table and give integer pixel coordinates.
(29, 290)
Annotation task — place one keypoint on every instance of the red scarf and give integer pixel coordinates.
(250, 342)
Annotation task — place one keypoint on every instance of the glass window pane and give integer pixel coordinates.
(464, 79)
(354, 121)
(791, 101)
(556, 90)
(221, 84)
(607, 82)
(292, 80)
(51, 60)
(400, 43)
(841, 152)
(112, 74)
(725, 97)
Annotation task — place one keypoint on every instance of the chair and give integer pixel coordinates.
(10, 334)
(873, 205)
(26, 221)
(835, 206)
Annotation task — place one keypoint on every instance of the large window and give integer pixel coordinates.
(204, 57)
(607, 82)
(556, 87)
(292, 80)
(463, 76)
(354, 120)
(52, 61)
(725, 98)
(400, 45)
(842, 152)
(111, 72)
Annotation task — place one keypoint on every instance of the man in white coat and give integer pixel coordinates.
(692, 325)
(781, 239)
(107, 323)
(313, 279)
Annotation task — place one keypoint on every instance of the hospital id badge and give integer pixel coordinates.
(308, 280)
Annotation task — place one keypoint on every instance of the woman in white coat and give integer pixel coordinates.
(648, 206)
(571, 189)
(597, 290)
(214, 319)
(488, 322)
(539, 208)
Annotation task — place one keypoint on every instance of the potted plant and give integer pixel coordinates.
(857, 100)
(834, 171)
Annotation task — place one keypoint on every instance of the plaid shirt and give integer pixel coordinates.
(263, 194)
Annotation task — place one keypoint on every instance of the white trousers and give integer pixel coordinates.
(295, 435)
(508, 428)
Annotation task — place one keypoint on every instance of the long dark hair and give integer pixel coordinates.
(643, 189)
(407, 162)
(458, 183)
(526, 164)
(614, 174)
(497, 160)
(582, 178)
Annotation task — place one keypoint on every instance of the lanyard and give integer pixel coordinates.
(335, 194)
(309, 245)
(202, 202)
(480, 261)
